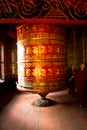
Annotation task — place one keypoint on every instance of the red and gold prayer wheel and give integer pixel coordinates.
(41, 57)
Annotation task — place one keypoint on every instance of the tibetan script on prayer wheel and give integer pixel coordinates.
(41, 57)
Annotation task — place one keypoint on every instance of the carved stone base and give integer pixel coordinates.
(43, 102)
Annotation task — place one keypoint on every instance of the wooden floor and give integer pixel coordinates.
(21, 114)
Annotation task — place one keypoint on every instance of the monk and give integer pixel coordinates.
(81, 78)
(71, 80)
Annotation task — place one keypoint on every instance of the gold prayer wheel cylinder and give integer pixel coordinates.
(41, 57)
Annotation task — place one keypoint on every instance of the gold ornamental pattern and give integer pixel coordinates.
(41, 58)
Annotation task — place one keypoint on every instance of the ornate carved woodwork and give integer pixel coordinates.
(45, 9)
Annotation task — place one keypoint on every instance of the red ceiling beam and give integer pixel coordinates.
(32, 21)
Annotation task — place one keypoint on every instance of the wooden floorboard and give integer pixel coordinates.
(21, 114)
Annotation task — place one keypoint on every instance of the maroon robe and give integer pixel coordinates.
(81, 77)
(72, 82)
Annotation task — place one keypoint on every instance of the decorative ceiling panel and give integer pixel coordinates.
(44, 9)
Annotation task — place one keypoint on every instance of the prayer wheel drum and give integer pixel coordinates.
(41, 57)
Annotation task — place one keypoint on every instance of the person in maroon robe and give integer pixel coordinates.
(71, 80)
(81, 78)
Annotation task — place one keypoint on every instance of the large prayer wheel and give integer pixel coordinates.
(41, 57)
